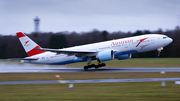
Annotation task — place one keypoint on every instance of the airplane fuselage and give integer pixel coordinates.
(119, 47)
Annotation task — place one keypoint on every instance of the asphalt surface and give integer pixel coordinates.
(16, 67)
(61, 70)
(89, 81)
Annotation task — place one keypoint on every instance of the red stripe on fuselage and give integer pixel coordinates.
(34, 51)
(20, 34)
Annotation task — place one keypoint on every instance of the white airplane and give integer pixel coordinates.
(101, 51)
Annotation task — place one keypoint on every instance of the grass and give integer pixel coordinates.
(136, 91)
(81, 76)
(141, 91)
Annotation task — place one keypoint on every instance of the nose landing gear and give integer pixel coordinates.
(159, 51)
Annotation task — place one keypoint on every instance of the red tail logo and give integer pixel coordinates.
(26, 43)
(141, 40)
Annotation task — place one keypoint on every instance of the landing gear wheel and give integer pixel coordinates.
(99, 65)
(96, 66)
(92, 65)
(103, 64)
(85, 67)
(159, 53)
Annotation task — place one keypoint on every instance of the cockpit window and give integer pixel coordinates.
(165, 37)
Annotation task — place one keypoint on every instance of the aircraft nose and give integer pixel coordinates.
(168, 41)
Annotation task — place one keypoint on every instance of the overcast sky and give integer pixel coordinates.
(86, 15)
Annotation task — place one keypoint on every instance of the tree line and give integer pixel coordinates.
(10, 47)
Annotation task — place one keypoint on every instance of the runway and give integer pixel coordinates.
(16, 67)
(64, 70)
(89, 81)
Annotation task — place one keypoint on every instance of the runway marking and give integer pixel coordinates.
(62, 81)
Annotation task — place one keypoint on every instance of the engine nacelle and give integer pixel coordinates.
(105, 55)
(123, 57)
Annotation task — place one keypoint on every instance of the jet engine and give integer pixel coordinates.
(123, 57)
(105, 55)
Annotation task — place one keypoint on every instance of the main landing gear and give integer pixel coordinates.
(95, 66)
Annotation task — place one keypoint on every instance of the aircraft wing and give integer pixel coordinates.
(78, 53)
(66, 51)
